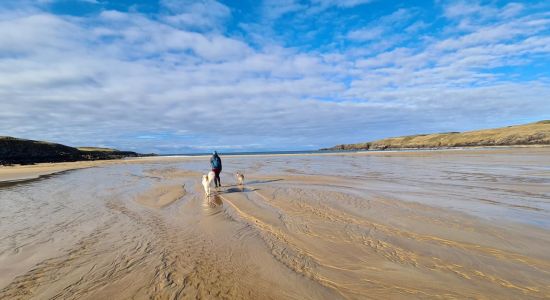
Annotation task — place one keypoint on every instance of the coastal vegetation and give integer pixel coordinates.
(528, 134)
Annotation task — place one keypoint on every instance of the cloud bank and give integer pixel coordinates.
(198, 76)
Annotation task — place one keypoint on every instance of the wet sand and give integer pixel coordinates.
(442, 224)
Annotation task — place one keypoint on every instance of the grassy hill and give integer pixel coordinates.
(97, 149)
(529, 134)
(20, 151)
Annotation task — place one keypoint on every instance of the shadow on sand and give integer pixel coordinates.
(215, 198)
(237, 189)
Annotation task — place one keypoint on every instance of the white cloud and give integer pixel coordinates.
(512, 10)
(340, 3)
(120, 79)
(366, 34)
(461, 9)
(274, 9)
(201, 15)
(416, 26)
(381, 29)
(52, 1)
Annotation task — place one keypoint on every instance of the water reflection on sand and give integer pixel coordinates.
(455, 224)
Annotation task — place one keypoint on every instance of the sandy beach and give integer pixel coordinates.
(381, 225)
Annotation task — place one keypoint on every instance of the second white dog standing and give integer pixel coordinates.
(207, 182)
(240, 178)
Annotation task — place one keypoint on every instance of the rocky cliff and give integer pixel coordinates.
(20, 151)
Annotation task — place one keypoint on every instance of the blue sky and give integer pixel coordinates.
(192, 76)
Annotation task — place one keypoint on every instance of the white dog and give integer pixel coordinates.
(240, 177)
(207, 182)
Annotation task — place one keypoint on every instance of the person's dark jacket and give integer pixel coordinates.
(216, 162)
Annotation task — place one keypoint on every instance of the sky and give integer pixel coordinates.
(174, 76)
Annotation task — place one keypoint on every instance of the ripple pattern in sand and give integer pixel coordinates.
(146, 231)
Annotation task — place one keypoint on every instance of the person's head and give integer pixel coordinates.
(215, 153)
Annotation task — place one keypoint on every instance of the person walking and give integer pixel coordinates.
(216, 163)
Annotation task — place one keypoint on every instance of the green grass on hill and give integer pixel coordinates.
(529, 134)
(96, 149)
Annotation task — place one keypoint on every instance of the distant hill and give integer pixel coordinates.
(20, 151)
(96, 149)
(529, 134)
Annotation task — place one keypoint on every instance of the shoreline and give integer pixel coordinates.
(436, 224)
(16, 173)
(336, 152)
(440, 148)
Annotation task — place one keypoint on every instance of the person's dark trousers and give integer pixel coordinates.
(217, 180)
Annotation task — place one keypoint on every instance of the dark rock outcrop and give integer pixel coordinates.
(20, 151)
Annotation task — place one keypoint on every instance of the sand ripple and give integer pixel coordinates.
(146, 231)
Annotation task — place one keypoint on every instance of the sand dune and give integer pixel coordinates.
(398, 225)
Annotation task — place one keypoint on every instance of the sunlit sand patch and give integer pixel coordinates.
(161, 196)
(383, 230)
(171, 173)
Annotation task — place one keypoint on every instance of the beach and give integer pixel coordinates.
(449, 224)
